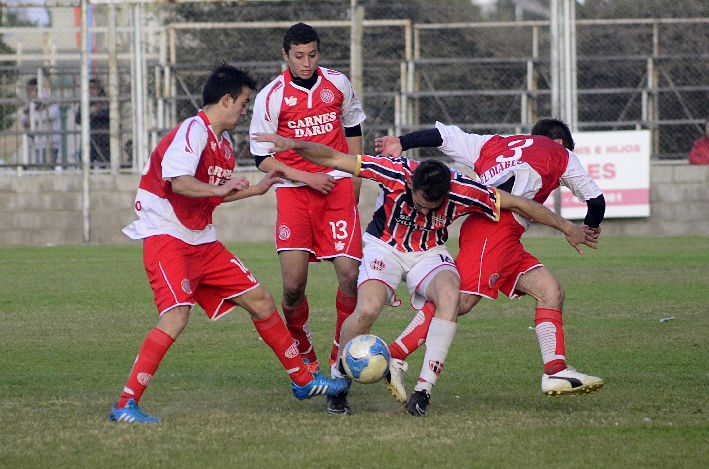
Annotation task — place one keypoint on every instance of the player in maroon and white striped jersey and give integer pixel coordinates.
(406, 237)
(491, 256)
(317, 216)
(188, 175)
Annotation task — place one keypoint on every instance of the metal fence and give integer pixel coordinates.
(631, 74)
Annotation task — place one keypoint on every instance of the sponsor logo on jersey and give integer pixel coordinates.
(218, 175)
(214, 146)
(186, 286)
(327, 96)
(376, 264)
(493, 280)
(144, 378)
(313, 125)
(291, 100)
(283, 232)
(292, 351)
(435, 366)
(339, 246)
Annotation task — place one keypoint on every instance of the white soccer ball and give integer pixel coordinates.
(366, 359)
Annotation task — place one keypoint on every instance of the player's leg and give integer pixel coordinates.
(294, 272)
(347, 270)
(558, 378)
(167, 265)
(444, 291)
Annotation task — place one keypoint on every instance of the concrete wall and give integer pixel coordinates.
(46, 209)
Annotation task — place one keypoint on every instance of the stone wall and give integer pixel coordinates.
(46, 209)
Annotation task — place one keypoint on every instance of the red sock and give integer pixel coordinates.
(275, 334)
(299, 329)
(345, 307)
(550, 332)
(151, 353)
(415, 333)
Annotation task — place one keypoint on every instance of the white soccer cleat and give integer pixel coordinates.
(570, 382)
(395, 379)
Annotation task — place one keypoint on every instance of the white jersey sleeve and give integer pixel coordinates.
(351, 113)
(463, 147)
(578, 180)
(182, 156)
(267, 108)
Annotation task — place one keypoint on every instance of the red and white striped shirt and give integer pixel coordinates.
(396, 220)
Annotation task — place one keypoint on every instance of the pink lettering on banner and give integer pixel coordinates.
(613, 197)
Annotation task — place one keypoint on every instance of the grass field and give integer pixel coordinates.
(72, 320)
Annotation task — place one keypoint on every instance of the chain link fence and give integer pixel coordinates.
(484, 77)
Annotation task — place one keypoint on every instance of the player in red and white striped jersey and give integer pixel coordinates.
(317, 216)
(188, 175)
(491, 256)
(406, 237)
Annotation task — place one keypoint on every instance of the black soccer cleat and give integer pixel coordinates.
(417, 403)
(338, 405)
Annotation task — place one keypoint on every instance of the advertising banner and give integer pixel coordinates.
(619, 162)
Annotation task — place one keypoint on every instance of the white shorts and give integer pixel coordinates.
(390, 266)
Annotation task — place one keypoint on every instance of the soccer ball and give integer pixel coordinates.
(366, 359)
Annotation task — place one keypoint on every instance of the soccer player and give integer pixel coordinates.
(317, 216)
(405, 240)
(491, 256)
(188, 175)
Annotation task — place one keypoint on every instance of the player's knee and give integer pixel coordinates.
(293, 296)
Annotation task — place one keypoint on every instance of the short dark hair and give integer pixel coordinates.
(433, 179)
(300, 33)
(554, 129)
(225, 79)
(32, 81)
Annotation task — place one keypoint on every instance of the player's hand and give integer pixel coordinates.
(233, 185)
(596, 231)
(581, 234)
(321, 182)
(388, 146)
(272, 177)
(280, 144)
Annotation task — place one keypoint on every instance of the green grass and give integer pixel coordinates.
(72, 320)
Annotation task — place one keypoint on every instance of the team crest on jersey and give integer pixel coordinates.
(327, 96)
(186, 286)
(435, 366)
(291, 100)
(376, 264)
(438, 220)
(283, 232)
(493, 280)
(227, 152)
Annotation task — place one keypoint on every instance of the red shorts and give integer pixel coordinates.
(491, 256)
(183, 274)
(327, 226)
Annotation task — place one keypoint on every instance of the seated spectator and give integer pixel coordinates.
(99, 124)
(700, 152)
(46, 118)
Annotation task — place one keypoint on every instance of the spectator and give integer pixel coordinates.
(46, 118)
(98, 123)
(700, 152)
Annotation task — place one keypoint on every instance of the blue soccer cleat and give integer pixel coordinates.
(321, 385)
(131, 413)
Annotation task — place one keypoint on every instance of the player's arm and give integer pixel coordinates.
(394, 146)
(271, 178)
(321, 182)
(354, 143)
(314, 152)
(595, 211)
(190, 186)
(575, 234)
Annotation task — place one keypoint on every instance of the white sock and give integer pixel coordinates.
(438, 341)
